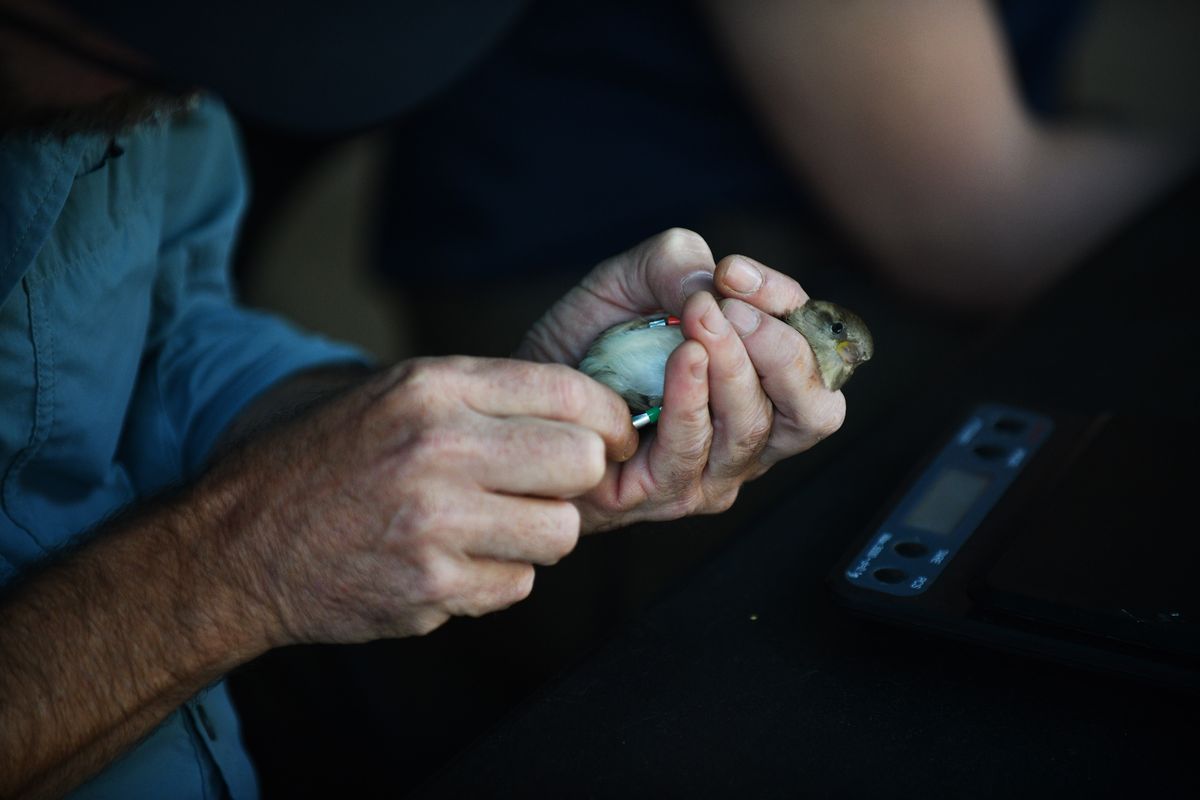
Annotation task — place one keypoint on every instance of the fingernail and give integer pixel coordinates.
(742, 276)
(714, 321)
(696, 282)
(744, 318)
(700, 370)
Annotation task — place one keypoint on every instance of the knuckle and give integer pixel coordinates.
(695, 419)
(569, 392)
(744, 441)
(693, 452)
(591, 457)
(522, 586)
(676, 241)
(722, 500)
(434, 444)
(687, 502)
(435, 583)
(499, 594)
(565, 530)
(427, 382)
(569, 518)
(420, 374)
(427, 622)
(419, 517)
(831, 421)
(576, 455)
(414, 393)
(759, 430)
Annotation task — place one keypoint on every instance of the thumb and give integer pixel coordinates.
(658, 274)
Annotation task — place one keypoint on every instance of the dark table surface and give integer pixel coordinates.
(748, 680)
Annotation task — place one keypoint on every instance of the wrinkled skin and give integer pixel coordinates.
(433, 488)
(742, 393)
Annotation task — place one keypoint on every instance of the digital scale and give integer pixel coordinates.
(1070, 538)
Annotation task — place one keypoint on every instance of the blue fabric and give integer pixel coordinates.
(123, 355)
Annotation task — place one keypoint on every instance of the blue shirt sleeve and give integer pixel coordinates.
(206, 355)
(123, 356)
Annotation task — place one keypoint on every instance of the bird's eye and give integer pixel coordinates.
(837, 328)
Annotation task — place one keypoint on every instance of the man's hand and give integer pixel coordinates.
(424, 492)
(428, 492)
(740, 394)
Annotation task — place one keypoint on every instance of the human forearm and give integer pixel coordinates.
(382, 512)
(906, 121)
(290, 398)
(100, 646)
(1021, 225)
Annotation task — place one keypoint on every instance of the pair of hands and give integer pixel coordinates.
(432, 490)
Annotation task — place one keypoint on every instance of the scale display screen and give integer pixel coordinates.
(949, 497)
(923, 533)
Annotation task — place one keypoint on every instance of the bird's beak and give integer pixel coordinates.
(851, 352)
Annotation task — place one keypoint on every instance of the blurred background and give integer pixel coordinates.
(937, 168)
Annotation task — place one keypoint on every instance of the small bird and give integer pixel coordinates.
(631, 357)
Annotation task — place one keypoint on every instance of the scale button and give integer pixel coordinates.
(1009, 425)
(889, 575)
(991, 452)
(911, 549)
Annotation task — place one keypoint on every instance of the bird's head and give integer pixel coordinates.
(838, 337)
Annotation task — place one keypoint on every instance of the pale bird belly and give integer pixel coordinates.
(632, 362)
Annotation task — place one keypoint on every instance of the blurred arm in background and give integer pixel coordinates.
(906, 119)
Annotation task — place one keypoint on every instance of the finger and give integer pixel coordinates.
(527, 529)
(658, 274)
(507, 387)
(806, 411)
(771, 291)
(679, 452)
(740, 410)
(485, 586)
(532, 456)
